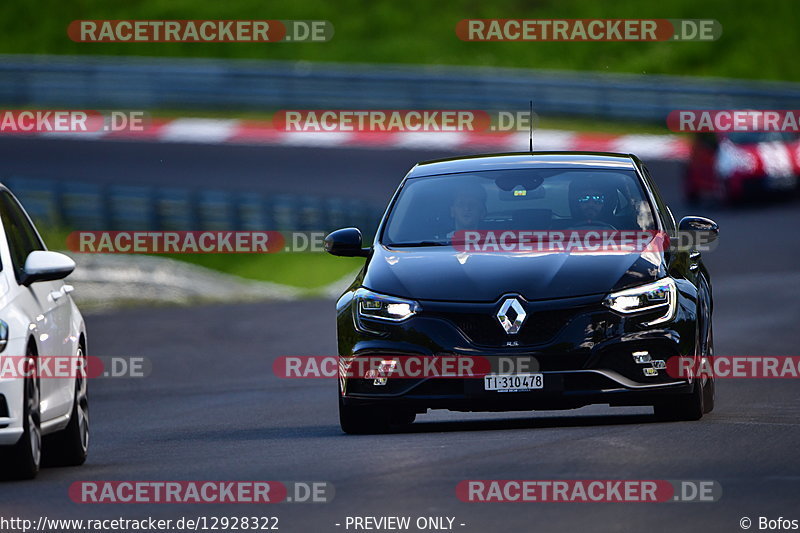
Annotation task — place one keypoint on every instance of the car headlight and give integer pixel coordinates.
(3, 335)
(381, 307)
(662, 294)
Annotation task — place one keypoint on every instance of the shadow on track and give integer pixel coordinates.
(550, 422)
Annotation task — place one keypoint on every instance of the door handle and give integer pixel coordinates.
(68, 289)
(55, 295)
(694, 254)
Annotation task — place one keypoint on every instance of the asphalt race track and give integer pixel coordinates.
(212, 410)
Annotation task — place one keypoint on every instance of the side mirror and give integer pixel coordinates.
(701, 226)
(345, 243)
(46, 266)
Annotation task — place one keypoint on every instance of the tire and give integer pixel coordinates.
(707, 345)
(360, 420)
(23, 459)
(70, 446)
(686, 407)
(363, 420)
(694, 405)
(709, 389)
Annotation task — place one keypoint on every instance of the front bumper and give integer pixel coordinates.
(562, 390)
(583, 350)
(12, 390)
(11, 407)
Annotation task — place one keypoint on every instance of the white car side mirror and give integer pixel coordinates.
(46, 266)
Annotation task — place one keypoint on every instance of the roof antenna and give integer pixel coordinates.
(530, 124)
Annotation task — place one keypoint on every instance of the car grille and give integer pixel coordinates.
(484, 328)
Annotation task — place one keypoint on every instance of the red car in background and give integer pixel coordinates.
(739, 166)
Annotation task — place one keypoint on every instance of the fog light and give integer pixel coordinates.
(641, 357)
(650, 372)
(387, 366)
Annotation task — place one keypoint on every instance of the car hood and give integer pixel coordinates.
(434, 273)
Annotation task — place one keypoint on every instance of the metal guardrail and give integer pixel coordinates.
(96, 82)
(86, 206)
(93, 82)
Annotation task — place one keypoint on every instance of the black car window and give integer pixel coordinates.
(20, 234)
(663, 212)
(431, 209)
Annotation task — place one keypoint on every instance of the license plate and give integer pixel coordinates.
(513, 382)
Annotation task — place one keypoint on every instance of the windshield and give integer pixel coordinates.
(429, 210)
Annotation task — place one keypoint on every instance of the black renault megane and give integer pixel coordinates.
(474, 261)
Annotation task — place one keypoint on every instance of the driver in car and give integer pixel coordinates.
(591, 204)
(468, 208)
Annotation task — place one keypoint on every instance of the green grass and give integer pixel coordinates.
(759, 40)
(54, 238)
(303, 270)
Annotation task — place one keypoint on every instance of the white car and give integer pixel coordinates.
(40, 416)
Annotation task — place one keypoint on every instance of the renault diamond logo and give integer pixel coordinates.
(511, 315)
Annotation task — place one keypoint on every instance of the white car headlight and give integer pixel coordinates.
(381, 307)
(662, 294)
(3, 335)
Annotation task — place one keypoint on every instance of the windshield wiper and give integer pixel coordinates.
(418, 243)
